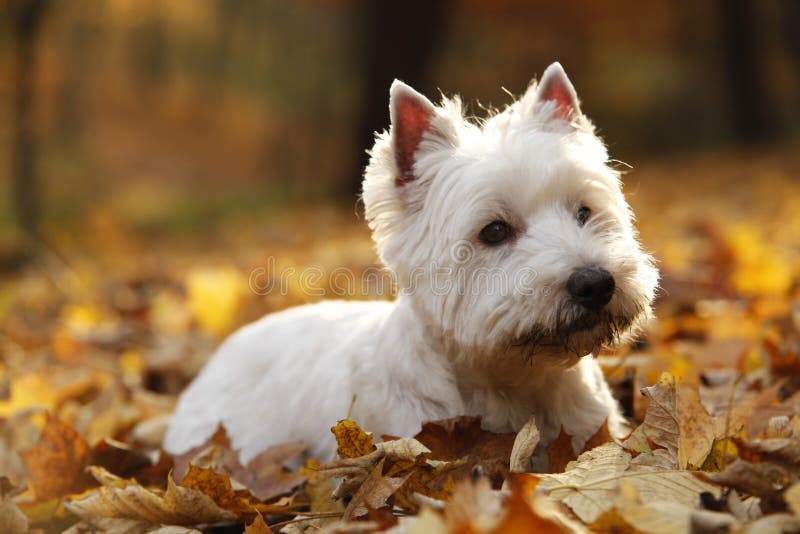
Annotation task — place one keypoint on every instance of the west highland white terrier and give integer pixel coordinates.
(515, 257)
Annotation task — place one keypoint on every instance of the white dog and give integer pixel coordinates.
(516, 258)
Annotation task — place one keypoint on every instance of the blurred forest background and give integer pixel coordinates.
(173, 116)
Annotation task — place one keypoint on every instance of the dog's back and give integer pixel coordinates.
(266, 376)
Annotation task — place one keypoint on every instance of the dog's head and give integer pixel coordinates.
(511, 234)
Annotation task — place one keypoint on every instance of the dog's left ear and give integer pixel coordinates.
(413, 116)
(556, 87)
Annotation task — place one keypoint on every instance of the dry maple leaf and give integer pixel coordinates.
(601, 437)
(126, 499)
(57, 462)
(560, 452)
(675, 421)
(258, 526)
(456, 438)
(352, 441)
(696, 428)
(373, 492)
(265, 475)
(660, 421)
(589, 485)
(218, 487)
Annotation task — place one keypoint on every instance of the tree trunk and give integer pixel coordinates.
(754, 119)
(400, 41)
(27, 16)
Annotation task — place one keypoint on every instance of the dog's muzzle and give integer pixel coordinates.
(591, 287)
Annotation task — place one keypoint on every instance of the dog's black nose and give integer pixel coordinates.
(592, 287)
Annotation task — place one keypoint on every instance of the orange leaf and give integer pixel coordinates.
(258, 526)
(560, 452)
(216, 486)
(352, 440)
(56, 463)
(600, 437)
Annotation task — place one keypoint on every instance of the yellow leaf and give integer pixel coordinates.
(214, 296)
(353, 442)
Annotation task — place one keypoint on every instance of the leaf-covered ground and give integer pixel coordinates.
(100, 335)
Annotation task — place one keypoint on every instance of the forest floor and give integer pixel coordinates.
(101, 333)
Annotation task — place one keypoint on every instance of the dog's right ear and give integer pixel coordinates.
(412, 117)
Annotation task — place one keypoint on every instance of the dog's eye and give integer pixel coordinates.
(583, 215)
(495, 232)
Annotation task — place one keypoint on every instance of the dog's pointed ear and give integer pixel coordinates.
(412, 115)
(556, 87)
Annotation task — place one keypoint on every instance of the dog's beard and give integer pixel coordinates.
(576, 332)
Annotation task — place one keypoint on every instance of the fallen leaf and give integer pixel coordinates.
(258, 526)
(453, 439)
(119, 458)
(523, 513)
(56, 463)
(588, 487)
(524, 445)
(696, 428)
(216, 486)
(352, 441)
(125, 499)
(763, 479)
(723, 451)
(660, 421)
(373, 492)
(12, 520)
(265, 475)
(590, 483)
(601, 437)
(407, 449)
(560, 452)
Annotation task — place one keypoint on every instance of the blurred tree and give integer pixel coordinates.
(400, 40)
(754, 118)
(149, 45)
(26, 19)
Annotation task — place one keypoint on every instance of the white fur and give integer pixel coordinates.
(437, 352)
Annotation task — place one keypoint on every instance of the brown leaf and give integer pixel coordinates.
(258, 526)
(215, 452)
(351, 439)
(125, 499)
(265, 475)
(600, 437)
(464, 446)
(216, 486)
(119, 458)
(764, 479)
(696, 428)
(660, 421)
(373, 492)
(560, 452)
(456, 438)
(56, 463)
